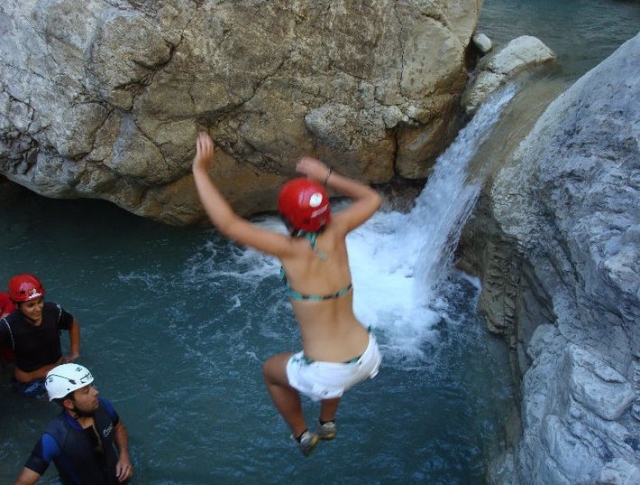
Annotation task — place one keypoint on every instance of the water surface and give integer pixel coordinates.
(176, 323)
(581, 33)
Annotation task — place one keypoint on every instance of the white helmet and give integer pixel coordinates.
(66, 378)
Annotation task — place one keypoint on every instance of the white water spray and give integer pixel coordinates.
(449, 197)
(400, 260)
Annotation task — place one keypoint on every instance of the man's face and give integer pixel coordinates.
(85, 400)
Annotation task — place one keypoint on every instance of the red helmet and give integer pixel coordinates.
(304, 204)
(25, 287)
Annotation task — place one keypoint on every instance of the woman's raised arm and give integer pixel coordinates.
(222, 215)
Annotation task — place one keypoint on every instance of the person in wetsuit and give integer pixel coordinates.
(32, 332)
(338, 351)
(87, 442)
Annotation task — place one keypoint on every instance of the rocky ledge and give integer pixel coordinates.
(556, 240)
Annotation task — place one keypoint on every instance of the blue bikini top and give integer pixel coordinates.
(295, 295)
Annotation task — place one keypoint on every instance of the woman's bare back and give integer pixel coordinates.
(329, 329)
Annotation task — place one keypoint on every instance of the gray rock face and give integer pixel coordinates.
(103, 98)
(496, 69)
(562, 221)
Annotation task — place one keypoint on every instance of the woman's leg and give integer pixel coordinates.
(285, 398)
(328, 408)
(327, 426)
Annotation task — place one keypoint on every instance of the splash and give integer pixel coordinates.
(400, 261)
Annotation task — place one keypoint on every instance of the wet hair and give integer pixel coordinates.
(295, 232)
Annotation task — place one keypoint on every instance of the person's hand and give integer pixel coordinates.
(204, 152)
(70, 358)
(313, 168)
(124, 470)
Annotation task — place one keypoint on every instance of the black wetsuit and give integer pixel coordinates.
(35, 346)
(82, 456)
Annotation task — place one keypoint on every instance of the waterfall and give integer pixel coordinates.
(449, 196)
(400, 260)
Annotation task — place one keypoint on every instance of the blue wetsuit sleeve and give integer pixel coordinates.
(43, 452)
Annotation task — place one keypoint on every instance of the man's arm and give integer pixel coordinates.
(27, 477)
(44, 451)
(124, 470)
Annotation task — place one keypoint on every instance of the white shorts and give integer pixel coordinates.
(328, 380)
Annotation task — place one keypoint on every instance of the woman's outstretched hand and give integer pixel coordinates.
(204, 152)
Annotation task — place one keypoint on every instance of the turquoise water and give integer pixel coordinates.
(176, 323)
(580, 32)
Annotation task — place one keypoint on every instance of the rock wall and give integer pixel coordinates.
(103, 98)
(556, 239)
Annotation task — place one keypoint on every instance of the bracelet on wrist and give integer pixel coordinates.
(326, 179)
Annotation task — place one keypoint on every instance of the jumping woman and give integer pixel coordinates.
(337, 350)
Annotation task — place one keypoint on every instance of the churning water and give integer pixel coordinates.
(176, 323)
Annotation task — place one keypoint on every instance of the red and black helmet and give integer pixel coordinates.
(25, 287)
(304, 204)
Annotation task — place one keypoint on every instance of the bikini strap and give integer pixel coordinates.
(311, 237)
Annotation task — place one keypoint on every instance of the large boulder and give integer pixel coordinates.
(496, 69)
(557, 241)
(104, 99)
